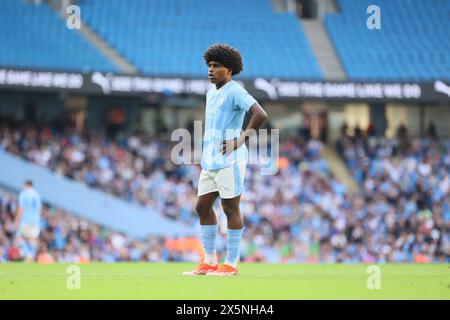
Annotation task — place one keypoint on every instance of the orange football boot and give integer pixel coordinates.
(201, 270)
(223, 271)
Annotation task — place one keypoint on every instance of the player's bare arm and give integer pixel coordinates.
(259, 116)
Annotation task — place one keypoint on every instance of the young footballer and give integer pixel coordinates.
(27, 220)
(224, 157)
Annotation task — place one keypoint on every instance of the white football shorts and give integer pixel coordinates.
(29, 231)
(229, 181)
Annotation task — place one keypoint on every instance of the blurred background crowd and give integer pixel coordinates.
(400, 212)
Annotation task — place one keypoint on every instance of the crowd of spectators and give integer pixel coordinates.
(405, 183)
(300, 214)
(67, 238)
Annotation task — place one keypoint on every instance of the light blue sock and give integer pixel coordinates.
(233, 243)
(209, 233)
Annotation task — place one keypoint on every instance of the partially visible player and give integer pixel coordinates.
(27, 222)
(224, 157)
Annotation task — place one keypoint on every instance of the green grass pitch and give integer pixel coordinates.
(257, 281)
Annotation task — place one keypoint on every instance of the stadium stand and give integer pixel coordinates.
(69, 239)
(94, 205)
(412, 44)
(302, 214)
(406, 185)
(169, 37)
(33, 36)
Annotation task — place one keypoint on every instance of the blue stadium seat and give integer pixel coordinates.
(169, 37)
(412, 44)
(33, 36)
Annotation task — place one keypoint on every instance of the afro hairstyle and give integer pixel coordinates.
(227, 56)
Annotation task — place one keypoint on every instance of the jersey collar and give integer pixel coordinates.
(225, 85)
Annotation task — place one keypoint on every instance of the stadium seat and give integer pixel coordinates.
(412, 44)
(153, 33)
(34, 36)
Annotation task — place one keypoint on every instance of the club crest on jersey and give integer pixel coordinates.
(220, 101)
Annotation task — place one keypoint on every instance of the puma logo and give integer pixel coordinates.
(102, 81)
(267, 87)
(440, 86)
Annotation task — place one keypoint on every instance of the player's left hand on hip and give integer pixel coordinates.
(229, 145)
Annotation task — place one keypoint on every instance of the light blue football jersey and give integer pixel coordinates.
(30, 201)
(224, 117)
